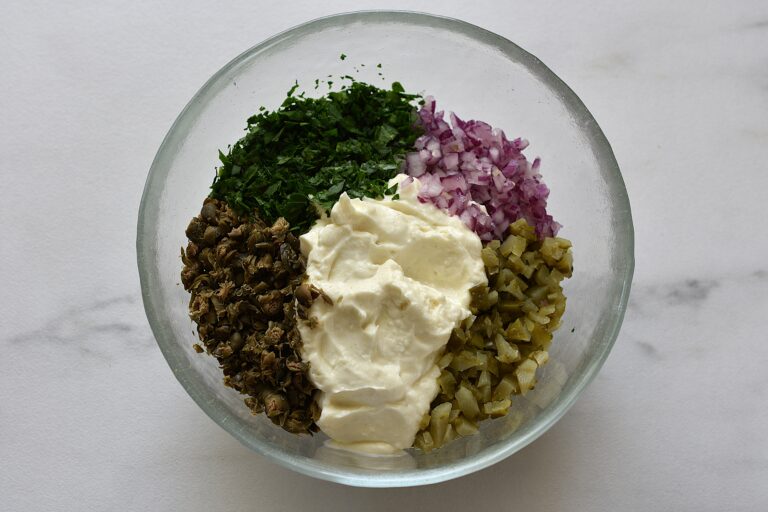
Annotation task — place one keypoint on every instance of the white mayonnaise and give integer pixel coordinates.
(399, 274)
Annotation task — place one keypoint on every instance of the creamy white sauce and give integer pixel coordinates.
(399, 274)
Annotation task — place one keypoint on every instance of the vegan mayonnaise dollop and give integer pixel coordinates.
(399, 274)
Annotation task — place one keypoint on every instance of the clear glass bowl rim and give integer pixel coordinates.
(577, 382)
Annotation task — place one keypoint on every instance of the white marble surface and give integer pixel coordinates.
(92, 419)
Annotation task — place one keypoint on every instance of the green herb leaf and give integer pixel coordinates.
(296, 161)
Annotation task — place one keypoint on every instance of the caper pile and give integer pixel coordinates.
(243, 276)
(494, 353)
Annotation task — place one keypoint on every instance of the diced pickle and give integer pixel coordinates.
(496, 409)
(445, 360)
(510, 307)
(504, 277)
(528, 271)
(506, 352)
(484, 380)
(505, 388)
(538, 318)
(464, 361)
(450, 434)
(529, 324)
(494, 354)
(424, 423)
(424, 442)
(477, 340)
(540, 356)
(493, 368)
(467, 402)
(546, 310)
(484, 386)
(515, 287)
(521, 228)
(540, 335)
(482, 358)
(529, 306)
(526, 375)
(490, 259)
(566, 264)
(464, 427)
(538, 293)
(438, 422)
(517, 331)
(553, 249)
(447, 383)
(513, 245)
(478, 293)
(469, 384)
(515, 263)
(458, 338)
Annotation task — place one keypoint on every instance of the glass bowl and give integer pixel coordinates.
(478, 75)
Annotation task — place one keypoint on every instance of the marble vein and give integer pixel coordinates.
(665, 319)
(93, 330)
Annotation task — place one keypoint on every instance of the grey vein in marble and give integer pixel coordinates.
(761, 24)
(679, 306)
(691, 291)
(95, 330)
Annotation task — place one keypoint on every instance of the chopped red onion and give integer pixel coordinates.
(415, 165)
(472, 171)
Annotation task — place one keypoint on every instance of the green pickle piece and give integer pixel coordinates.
(495, 354)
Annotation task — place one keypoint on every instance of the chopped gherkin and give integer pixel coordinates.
(438, 423)
(467, 402)
(495, 353)
(499, 408)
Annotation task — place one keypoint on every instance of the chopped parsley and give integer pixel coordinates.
(296, 161)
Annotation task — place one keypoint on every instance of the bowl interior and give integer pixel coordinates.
(478, 75)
